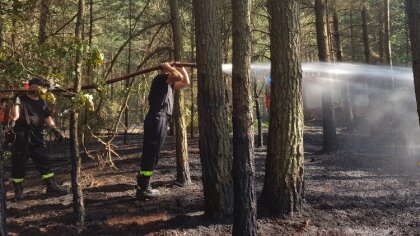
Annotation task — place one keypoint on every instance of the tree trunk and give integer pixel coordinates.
(78, 203)
(44, 10)
(183, 177)
(3, 208)
(328, 123)
(337, 38)
(412, 8)
(127, 82)
(387, 42)
(283, 189)
(1, 29)
(192, 79)
(352, 43)
(348, 109)
(244, 215)
(216, 159)
(259, 142)
(366, 35)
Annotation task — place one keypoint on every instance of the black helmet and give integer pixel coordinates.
(39, 82)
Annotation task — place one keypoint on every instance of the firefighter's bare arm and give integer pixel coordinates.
(51, 124)
(174, 75)
(185, 79)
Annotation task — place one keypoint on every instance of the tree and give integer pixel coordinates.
(183, 170)
(366, 34)
(43, 19)
(216, 160)
(284, 184)
(386, 37)
(412, 8)
(244, 215)
(78, 202)
(328, 123)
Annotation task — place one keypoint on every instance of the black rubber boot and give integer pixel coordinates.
(18, 191)
(54, 189)
(144, 191)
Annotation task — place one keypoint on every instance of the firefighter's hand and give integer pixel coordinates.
(58, 135)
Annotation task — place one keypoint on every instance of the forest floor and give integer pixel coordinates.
(370, 187)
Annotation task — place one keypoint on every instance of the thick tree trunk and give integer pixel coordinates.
(337, 38)
(283, 190)
(44, 9)
(244, 214)
(328, 123)
(412, 8)
(183, 168)
(366, 35)
(78, 203)
(3, 208)
(216, 159)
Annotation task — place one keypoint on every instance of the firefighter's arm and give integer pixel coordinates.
(174, 75)
(15, 112)
(185, 79)
(51, 124)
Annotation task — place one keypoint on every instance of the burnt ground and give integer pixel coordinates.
(370, 187)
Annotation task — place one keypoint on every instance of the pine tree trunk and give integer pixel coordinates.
(216, 159)
(352, 43)
(387, 42)
(283, 190)
(183, 177)
(244, 215)
(412, 8)
(192, 79)
(44, 10)
(3, 208)
(366, 35)
(259, 142)
(1, 29)
(128, 71)
(328, 123)
(78, 203)
(337, 38)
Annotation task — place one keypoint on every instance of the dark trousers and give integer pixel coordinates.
(22, 150)
(155, 130)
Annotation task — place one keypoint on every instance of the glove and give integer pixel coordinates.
(58, 135)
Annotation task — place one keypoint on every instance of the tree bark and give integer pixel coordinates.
(366, 35)
(244, 215)
(183, 177)
(259, 142)
(1, 29)
(215, 156)
(352, 43)
(387, 42)
(127, 82)
(44, 9)
(78, 202)
(283, 189)
(328, 123)
(412, 8)
(192, 79)
(337, 38)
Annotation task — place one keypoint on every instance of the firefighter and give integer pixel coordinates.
(29, 116)
(156, 123)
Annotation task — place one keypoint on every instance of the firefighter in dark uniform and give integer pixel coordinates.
(161, 103)
(29, 117)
